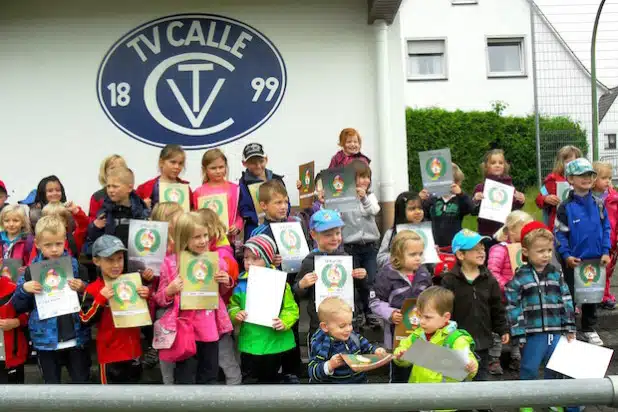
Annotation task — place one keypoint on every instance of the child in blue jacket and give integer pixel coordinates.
(582, 231)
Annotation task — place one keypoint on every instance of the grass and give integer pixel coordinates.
(530, 207)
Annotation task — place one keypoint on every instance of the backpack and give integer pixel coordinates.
(452, 338)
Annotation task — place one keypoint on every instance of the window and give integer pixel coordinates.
(456, 2)
(505, 57)
(610, 140)
(426, 59)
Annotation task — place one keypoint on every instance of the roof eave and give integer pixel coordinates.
(383, 10)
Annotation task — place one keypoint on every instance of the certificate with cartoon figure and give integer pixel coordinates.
(10, 268)
(291, 243)
(334, 279)
(589, 281)
(200, 290)
(364, 363)
(129, 310)
(340, 189)
(436, 171)
(425, 231)
(562, 190)
(57, 297)
(497, 201)
(306, 175)
(218, 204)
(254, 190)
(409, 323)
(147, 245)
(176, 193)
(515, 256)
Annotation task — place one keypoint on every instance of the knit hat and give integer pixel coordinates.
(534, 225)
(262, 246)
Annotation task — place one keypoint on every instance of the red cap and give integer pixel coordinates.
(534, 225)
(3, 186)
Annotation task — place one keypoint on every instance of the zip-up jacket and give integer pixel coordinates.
(113, 344)
(550, 187)
(20, 248)
(340, 159)
(360, 226)
(582, 227)
(539, 303)
(478, 306)
(150, 190)
(447, 216)
(323, 347)
(499, 264)
(15, 342)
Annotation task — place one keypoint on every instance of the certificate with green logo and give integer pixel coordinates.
(200, 290)
(437, 171)
(334, 279)
(57, 297)
(129, 310)
(147, 245)
(291, 243)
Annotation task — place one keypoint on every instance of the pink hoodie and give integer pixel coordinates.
(499, 264)
(208, 325)
(232, 191)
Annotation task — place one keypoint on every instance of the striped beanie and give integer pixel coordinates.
(262, 246)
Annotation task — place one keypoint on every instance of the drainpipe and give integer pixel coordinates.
(383, 108)
(593, 75)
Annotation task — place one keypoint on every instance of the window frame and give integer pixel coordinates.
(607, 145)
(520, 40)
(429, 77)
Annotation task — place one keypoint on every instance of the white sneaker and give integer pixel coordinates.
(591, 337)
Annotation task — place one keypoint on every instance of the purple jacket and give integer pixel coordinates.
(340, 159)
(389, 292)
(489, 227)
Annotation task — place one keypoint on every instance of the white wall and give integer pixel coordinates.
(52, 122)
(465, 27)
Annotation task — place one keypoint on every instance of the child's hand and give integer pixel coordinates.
(299, 184)
(72, 207)
(143, 292)
(455, 189)
(100, 222)
(520, 197)
(174, 287)
(308, 280)
(605, 260)
(223, 278)
(396, 317)
(362, 193)
(233, 230)
(573, 262)
(359, 273)
(505, 338)
(148, 202)
(423, 194)
(9, 324)
(552, 200)
(570, 337)
(77, 285)
(32, 286)
(147, 274)
(107, 292)
(277, 260)
(471, 367)
(381, 352)
(22, 269)
(277, 324)
(335, 362)
(241, 316)
(478, 196)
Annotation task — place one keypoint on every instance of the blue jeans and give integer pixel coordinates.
(364, 255)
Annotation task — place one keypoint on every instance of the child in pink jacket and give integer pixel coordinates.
(207, 325)
(499, 264)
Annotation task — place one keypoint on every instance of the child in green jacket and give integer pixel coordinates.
(261, 348)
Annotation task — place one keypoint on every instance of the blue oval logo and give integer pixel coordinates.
(198, 80)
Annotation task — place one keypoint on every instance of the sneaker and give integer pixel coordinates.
(290, 379)
(373, 321)
(151, 358)
(608, 305)
(590, 337)
(495, 368)
(515, 364)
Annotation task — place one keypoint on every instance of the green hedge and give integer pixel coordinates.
(470, 134)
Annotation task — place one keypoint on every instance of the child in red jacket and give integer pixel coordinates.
(15, 343)
(548, 199)
(171, 164)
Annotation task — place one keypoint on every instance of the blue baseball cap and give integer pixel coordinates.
(466, 239)
(107, 245)
(325, 219)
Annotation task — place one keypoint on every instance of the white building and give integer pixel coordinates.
(290, 75)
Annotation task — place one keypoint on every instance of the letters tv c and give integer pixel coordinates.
(198, 80)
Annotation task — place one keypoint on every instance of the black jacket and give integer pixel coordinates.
(478, 306)
(447, 217)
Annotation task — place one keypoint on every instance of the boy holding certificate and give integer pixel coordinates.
(118, 350)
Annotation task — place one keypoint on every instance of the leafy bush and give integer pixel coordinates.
(470, 134)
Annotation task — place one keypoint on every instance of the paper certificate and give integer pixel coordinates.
(364, 363)
(410, 322)
(334, 279)
(147, 245)
(580, 360)
(291, 243)
(497, 201)
(437, 171)
(425, 231)
(562, 190)
(218, 204)
(589, 282)
(448, 362)
(176, 193)
(515, 256)
(265, 289)
(254, 190)
(57, 298)
(10, 268)
(340, 189)
(200, 290)
(128, 309)
(306, 175)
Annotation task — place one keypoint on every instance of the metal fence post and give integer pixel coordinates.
(593, 75)
(537, 116)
